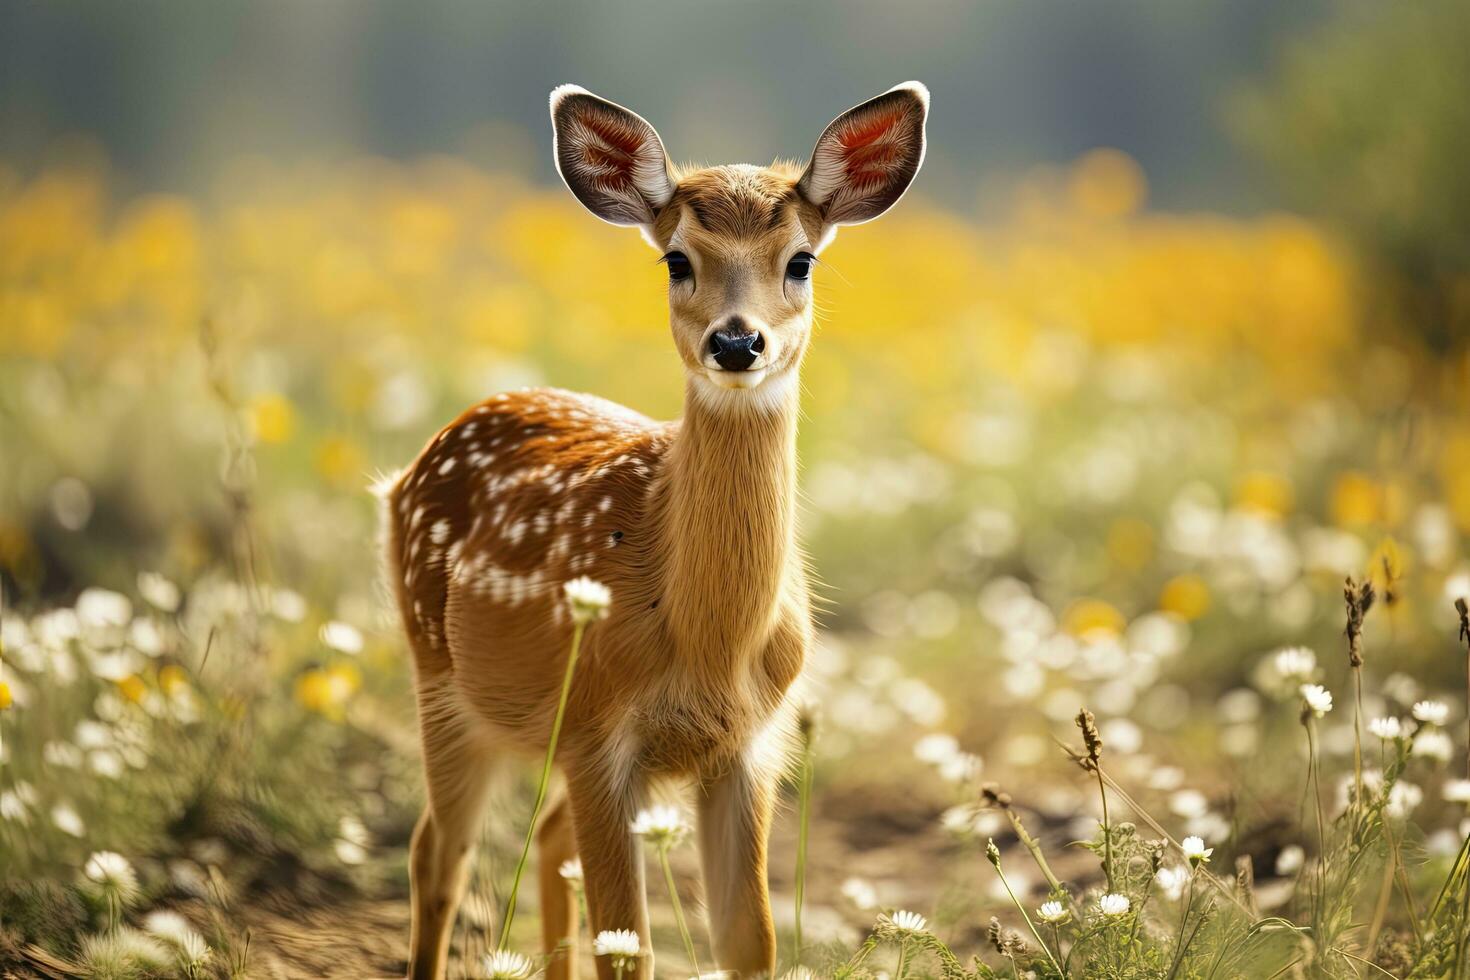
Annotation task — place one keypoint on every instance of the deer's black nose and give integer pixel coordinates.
(735, 348)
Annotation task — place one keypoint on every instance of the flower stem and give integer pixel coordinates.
(663, 859)
(561, 710)
(1029, 925)
(903, 956)
(1107, 830)
(804, 810)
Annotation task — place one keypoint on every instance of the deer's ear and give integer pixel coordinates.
(868, 156)
(610, 157)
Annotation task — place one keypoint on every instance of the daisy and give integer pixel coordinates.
(589, 600)
(1457, 790)
(1433, 744)
(663, 826)
(1195, 851)
(1432, 712)
(505, 965)
(113, 872)
(1052, 912)
(908, 923)
(1296, 664)
(571, 870)
(1113, 905)
(620, 944)
(1318, 699)
(1387, 729)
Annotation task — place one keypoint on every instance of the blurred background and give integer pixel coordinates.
(1167, 339)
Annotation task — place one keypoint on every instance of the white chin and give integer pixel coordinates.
(736, 380)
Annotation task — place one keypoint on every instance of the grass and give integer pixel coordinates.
(1116, 459)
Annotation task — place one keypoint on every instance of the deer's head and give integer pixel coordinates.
(740, 242)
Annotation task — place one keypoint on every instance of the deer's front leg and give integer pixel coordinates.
(604, 802)
(734, 823)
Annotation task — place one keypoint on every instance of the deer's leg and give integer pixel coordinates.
(734, 823)
(556, 844)
(604, 804)
(457, 768)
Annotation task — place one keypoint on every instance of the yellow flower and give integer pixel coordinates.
(132, 688)
(314, 691)
(1107, 183)
(1356, 500)
(1264, 493)
(5, 697)
(272, 418)
(172, 679)
(1186, 596)
(1088, 617)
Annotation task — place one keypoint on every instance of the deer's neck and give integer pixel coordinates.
(729, 523)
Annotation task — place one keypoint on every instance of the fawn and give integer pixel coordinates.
(690, 523)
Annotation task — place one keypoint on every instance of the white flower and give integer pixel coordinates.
(13, 808)
(113, 872)
(1290, 860)
(349, 853)
(589, 599)
(935, 748)
(505, 965)
(1172, 881)
(911, 923)
(342, 637)
(1457, 790)
(1052, 912)
(175, 929)
(620, 944)
(1433, 744)
(1403, 798)
(67, 820)
(102, 608)
(571, 870)
(1432, 712)
(158, 591)
(960, 767)
(62, 755)
(661, 825)
(860, 893)
(1387, 729)
(1195, 851)
(1317, 698)
(1295, 664)
(1113, 905)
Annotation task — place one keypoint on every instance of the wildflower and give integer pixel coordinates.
(620, 944)
(102, 608)
(505, 965)
(1387, 729)
(67, 820)
(1290, 860)
(1317, 698)
(589, 600)
(1403, 799)
(862, 894)
(342, 637)
(1434, 745)
(571, 870)
(6, 698)
(1172, 881)
(1053, 913)
(122, 952)
(935, 748)
(1195, 851)
(960, 767)
(904, 923)
(1296, 664)
(1113, 905)
(113, 873)
(158, 591)
(662, 826)
(1432, 712)
(1457, 790)
(171, 927)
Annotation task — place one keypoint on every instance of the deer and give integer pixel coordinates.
(691, 524)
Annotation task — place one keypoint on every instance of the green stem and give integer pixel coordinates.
(903, 955)
(1036, 935)
(1107, 830)
(804, 807)
(561, 710)
(663, 859)
(1183, 918)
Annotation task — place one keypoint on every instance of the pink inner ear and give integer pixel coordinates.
(612, 155)
(870, 148)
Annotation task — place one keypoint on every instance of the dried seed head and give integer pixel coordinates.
(1464, 611)
(991, 795)
(1156, 849)
(1090, 738)
(1358, 599)
(992, 853)
(993, 933)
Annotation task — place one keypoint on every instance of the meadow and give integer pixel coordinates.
(1103, 501)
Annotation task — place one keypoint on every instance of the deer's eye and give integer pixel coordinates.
(800, 266)
(679, 267)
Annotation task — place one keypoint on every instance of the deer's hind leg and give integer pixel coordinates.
(458, 762)
(556, 844)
